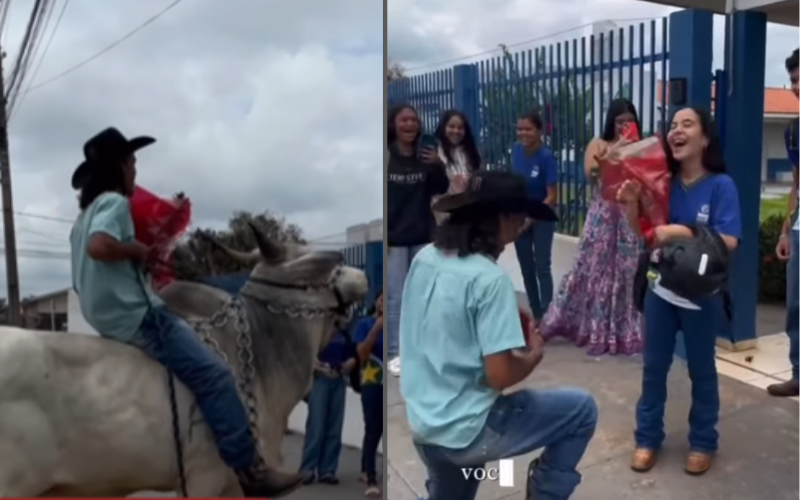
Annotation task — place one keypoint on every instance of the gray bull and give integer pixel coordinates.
(82, 416)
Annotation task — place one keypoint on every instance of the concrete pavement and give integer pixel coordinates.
(758, 457)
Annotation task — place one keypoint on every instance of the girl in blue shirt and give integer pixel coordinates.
(326, 404)
(369, 345)
(534, 161)
(701, 194)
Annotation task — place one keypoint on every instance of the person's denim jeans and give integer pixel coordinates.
(323, 440)
(562, 421)
(171, 341)
(662, 324)
(793, 303)
(398, 262)
(372, 405)
(534, 251)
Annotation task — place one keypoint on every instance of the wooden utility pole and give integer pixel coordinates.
(10, 235)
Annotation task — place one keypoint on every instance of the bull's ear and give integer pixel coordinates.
(247, 259)
(272, 251)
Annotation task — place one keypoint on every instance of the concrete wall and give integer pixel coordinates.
(565, 248)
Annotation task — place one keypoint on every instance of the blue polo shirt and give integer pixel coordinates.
(335, 353)
(712, 200)
(540, 169)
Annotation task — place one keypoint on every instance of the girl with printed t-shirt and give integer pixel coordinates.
(701, 194)
(534, 161)
(457, 151)
(414, 176)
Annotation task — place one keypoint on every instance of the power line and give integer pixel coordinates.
(43, 217)
(107, 49)
(519, 44)
(44, 53)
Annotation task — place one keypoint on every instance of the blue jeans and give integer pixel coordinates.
(372, 404)
(534, 252)
(323, 440)
(663, 321)
(793, 303)
(171, 341)
(398, 262)
(562, 421)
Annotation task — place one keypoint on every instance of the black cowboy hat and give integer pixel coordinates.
(109, 147)
(496, 191)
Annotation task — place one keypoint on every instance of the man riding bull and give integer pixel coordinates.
(117, 302)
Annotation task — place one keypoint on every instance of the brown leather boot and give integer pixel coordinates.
(643, 459)
(785, 389)
(698, 463)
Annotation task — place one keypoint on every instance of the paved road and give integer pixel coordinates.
(758, 456)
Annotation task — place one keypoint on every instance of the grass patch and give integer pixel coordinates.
(776, 206)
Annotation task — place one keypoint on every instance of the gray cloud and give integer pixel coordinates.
(424, 33)
(255, 106)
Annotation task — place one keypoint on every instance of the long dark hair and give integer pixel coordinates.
(374, 308)
(468, 233)
(391, 126)
(793, 61)
(468, 143)
(713, 159)
(104, 179)
(616, 108)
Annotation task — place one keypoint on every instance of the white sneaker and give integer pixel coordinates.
(394, 366)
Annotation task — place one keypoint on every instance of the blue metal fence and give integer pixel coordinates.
(570, 84)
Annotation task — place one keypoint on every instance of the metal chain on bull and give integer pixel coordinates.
(235, 310)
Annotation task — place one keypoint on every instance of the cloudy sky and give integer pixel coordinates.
(432, 34)
(255, 104)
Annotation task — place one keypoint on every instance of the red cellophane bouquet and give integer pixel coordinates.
(645, 162)
(159, 223)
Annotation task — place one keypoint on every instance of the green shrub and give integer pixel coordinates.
(772, 272)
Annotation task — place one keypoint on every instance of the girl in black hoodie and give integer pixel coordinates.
(414, 177)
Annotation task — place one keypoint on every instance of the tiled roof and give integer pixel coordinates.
(777, 101)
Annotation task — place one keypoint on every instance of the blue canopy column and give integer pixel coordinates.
(690, 66)
(745, 49)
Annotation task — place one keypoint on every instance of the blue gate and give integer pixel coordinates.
(570, 84)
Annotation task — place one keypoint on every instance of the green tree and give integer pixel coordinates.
(563, 105)
(394, 71)
(197, 257)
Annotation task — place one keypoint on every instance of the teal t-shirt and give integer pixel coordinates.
(113, 300)
(455, 311)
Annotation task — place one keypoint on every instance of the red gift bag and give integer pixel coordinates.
(159, 223)
(646, 163)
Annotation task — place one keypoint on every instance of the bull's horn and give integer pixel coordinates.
(247, 259)
(270, 250)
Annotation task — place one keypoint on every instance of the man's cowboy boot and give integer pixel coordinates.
(643, 459)
(262, 482)
(698, 463)
(785, 389)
